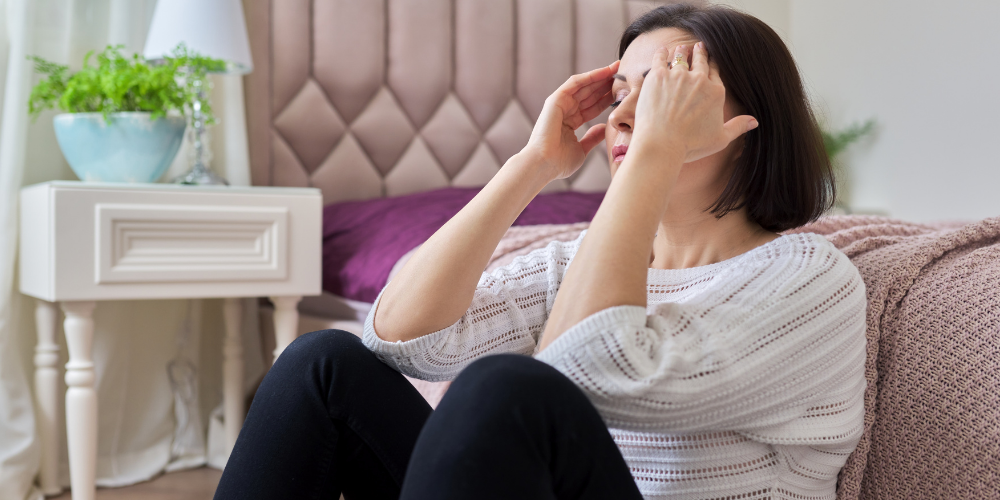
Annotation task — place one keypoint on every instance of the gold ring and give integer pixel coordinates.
(679, 59)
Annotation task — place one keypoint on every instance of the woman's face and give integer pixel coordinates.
(705, 178)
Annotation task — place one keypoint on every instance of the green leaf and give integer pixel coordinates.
(119, 83)
(836, 142)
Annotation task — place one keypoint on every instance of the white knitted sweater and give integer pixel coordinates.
(741, 379)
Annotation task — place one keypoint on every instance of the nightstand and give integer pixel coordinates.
(86, 242)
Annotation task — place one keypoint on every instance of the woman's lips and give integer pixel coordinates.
(618, 152)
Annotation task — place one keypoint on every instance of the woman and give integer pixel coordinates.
(690, 352)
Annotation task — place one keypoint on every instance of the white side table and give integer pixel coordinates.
(86, 242)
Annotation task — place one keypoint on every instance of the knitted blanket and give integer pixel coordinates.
(522, 240)
(932, 406)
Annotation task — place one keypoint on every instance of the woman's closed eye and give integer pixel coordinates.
(619, 97)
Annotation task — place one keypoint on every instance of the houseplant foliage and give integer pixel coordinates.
(120, 84)
(125, 117)
(838, 141)
(835, 143)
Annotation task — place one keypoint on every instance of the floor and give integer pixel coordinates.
(195, 484)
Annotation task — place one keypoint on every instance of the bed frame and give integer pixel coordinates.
(374, 98)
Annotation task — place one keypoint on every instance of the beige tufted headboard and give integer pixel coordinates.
(372, 98)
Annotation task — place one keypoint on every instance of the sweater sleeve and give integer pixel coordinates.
(772, 355)
(507, 315)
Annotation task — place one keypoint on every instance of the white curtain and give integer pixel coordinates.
(158, 362)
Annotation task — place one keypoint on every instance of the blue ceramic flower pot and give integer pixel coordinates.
(132, 148)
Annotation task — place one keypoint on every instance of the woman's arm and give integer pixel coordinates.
(679, 119)
(436, 286)
(508, 312)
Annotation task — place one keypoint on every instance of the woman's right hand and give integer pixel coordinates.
(553, 143)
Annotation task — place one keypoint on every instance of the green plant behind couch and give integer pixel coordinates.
(119, 83)
(835, 143)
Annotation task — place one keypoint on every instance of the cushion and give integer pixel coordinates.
(362, 240)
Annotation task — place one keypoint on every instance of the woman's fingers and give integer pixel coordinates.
(592, 111)
(589, 100)
(738, 126)
(593, 94)
(577, 82)
(661, 60)
(593, 137)
(583, 90)
(680, 57)
(589, 89)
(578, 113)
(699, 59)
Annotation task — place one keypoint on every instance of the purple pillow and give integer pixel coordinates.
(362, 240)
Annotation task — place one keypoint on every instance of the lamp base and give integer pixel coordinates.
(200, 176)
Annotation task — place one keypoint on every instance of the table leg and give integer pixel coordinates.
(81, 398)
(47, 395)
(233, 371)
(286, 322)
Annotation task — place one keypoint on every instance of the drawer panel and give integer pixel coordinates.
(142, 243)
(103, 241)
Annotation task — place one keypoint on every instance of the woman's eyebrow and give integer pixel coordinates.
(619, 76)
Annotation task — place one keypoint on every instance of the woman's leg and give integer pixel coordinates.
(514, 427)
(329, 417)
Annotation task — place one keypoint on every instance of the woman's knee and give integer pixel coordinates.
(322, 345)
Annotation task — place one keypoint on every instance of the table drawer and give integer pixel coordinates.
(99, 242)
(164, 243)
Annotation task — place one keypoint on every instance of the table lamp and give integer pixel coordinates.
(212, 28)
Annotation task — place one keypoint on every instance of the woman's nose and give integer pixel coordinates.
(623, 116)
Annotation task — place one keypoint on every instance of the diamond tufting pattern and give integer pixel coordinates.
(373, 98)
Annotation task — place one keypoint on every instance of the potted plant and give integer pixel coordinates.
(835, 143)
(124, 118)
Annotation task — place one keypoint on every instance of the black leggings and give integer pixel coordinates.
(330, 418)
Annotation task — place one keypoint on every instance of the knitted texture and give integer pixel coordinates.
(932, 406)
(517, 241)
(741, 379)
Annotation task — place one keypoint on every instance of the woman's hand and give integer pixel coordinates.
(680, 110)
(553, 141)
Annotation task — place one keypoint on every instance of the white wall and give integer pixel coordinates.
(929, 72)
(776, 13)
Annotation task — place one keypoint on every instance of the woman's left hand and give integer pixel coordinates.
(680, 109)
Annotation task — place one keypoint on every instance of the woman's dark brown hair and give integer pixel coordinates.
(783, 176)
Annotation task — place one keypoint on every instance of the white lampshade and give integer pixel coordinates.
(212, 28)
